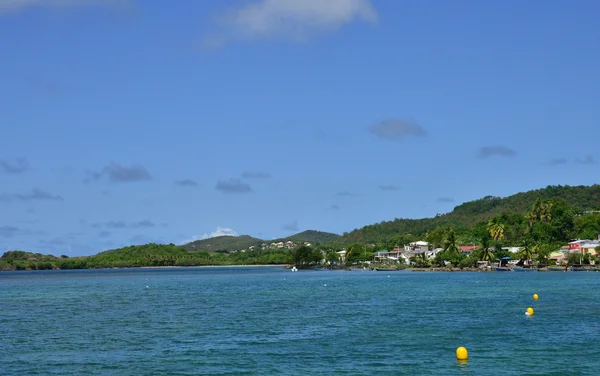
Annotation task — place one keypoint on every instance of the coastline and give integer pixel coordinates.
(204, 266)
(289, 266)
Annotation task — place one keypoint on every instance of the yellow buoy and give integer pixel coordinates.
(529, 311)
(462, 353)
(535, 297)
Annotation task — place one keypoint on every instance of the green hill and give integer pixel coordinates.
(223, 243)
(466, 215)
(233, 243)
(314, 236)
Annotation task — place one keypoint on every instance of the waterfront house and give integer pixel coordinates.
(417, 247)
(468, 248)
(589, 248)
(432, 253)
(512, 249)
(380, 255)
(575, 245)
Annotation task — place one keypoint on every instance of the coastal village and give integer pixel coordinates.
(421, 249)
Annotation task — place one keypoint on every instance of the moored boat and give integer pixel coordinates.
(520, 269)
(503, 265)
(580, 269)
(556, 269)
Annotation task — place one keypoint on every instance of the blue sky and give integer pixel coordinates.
(127, 122)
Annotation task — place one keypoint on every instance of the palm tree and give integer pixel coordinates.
(486, 252)
(496, 228)
(527, 252)
(540, 211)
(450, 250)
(450, 242)
(352, 250)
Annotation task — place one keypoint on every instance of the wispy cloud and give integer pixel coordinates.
(256, 175)
(11, 231)
(290, 20)
(557, 161)
(19, 166)
(389, 187)
(117, 173)
(54, 241)
(233, 186)
(116, 225)
(396, 129)
(104, 234)
(587, 160)
(499, 150)
(146, 239)
(335, 207)
(346, 194)
(186, 183)
(220, 231)
(445, 199)
(293, 226)
(34, 195)
(17, 5)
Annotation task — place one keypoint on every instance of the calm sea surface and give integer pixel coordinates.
(271, 321)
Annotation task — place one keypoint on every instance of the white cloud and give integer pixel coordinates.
(220, 231)
(16, 5)
(296, 20)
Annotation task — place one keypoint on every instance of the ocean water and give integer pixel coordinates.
(271, 321)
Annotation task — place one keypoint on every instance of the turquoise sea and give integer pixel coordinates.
(271, 321)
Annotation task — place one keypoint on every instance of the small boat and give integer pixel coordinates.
(556, 269)
(520, 269)
(505, 268)
(580, 269)
(294, 269)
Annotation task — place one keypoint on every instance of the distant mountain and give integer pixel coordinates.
(233, 243)
(314, 236)
(223, 243)
(581, 198)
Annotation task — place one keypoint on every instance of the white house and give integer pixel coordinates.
(417, 247)
(431, 254)
(512, 249)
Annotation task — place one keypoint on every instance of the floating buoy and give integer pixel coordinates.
(529, 311)
(535, 297)
(462, 353)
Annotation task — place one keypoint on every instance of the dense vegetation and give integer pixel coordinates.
(312, 236)
(147, 255)
(224, 243)
(579, 199)
(234, 243)
(538, 221)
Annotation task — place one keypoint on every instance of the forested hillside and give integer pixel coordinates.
(539, 222)
(234, 243)
(465, 216)
(314, 236)
(223, 243)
